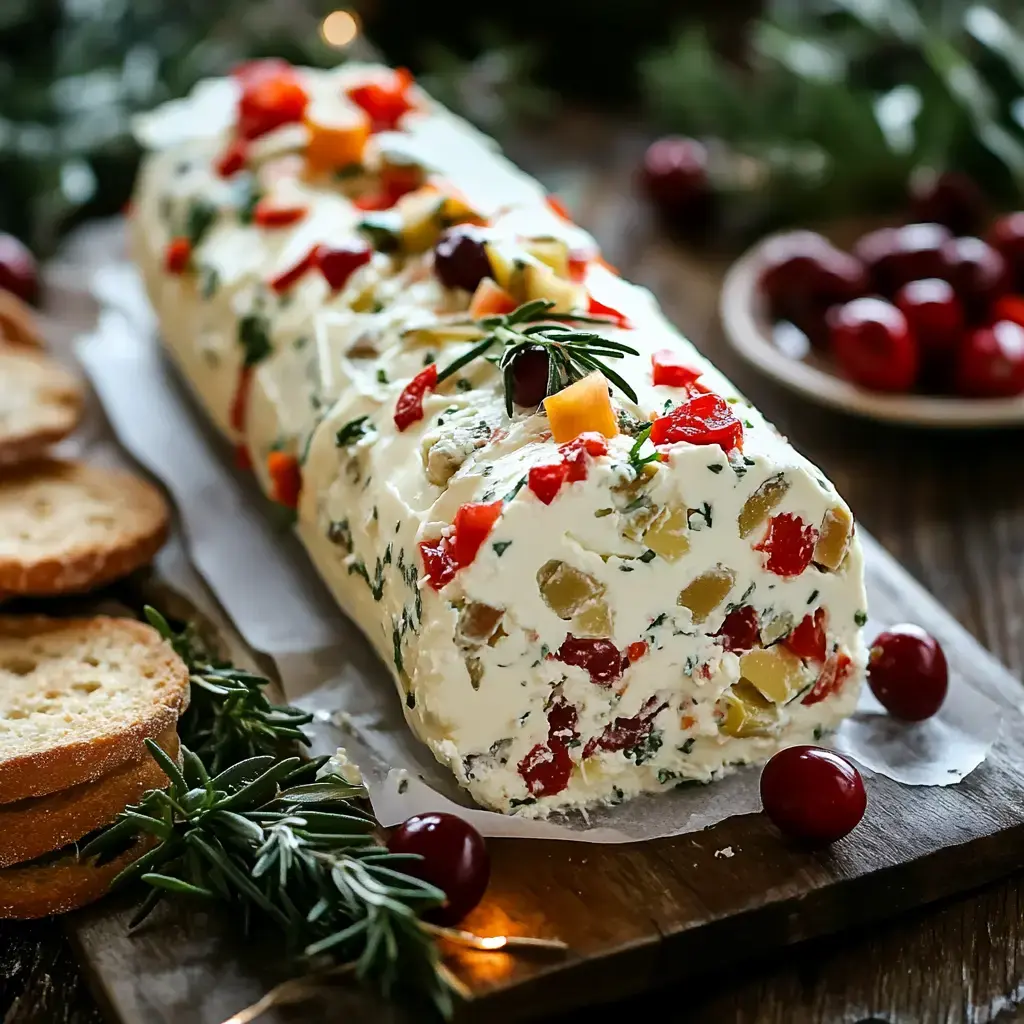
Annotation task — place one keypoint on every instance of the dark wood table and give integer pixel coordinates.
(949, 506)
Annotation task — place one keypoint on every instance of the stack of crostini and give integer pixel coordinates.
(78, 697)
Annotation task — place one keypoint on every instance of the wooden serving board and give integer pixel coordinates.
(634, 916)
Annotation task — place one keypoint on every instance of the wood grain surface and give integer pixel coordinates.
(950, 508)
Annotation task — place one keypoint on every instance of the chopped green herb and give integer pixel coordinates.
(813, 597)
(254, 337)
(501, 546)
(382, 376)
(209, 281)
(648, 556)
(635, 459)
(352, 431)
(688, 745)
(716, 468)
(198, 220)
(861, 618)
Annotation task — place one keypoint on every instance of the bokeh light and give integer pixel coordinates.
(339, 28)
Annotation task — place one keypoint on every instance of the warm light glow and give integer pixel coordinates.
(339, 28)
(495, 942)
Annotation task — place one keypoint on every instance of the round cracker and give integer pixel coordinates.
(40, 403)
(78, 699)
(18, 324)
(63, 884)
(30, 828)
(67, 527)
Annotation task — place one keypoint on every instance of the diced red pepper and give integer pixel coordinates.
(243, 460)
(808, 639)
(831, 679)
(232, 160)
(285, 477)
(240, 403)
(445, 556)
(789, 545)
(386, 104)
(338, 265)
(575, 452)
(636, 650)
(601, 658)
(596, 308)
(287, 278)
(669, 368)
(546, 479)
(409, 408)
(741, 630)
(177, 255)
(272, 96)
(705, 419)
(267, 215)
(579, 260)
(624, 733)
(558, 207)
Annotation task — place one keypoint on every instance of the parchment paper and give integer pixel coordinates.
(261, 575)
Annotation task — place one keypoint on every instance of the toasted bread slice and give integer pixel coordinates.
(61, 883)
(17, 322)
(40, 403)
(78, 699)
(30, 828)
(66, 527)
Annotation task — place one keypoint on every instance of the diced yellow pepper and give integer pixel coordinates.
(580, 407)
(777, 672)
(541, 282)
(337, 136)
(552, 251)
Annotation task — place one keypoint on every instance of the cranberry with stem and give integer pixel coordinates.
(460, 258)
(18, 272)
(455, 859)
(990, 362)
(812, 794)
(907, 672)
(873, 345)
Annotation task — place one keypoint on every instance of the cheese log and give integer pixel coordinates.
(570, 620)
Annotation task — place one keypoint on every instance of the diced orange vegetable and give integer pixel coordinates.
(580, 407)
(337, 136)
(557, 206)
(286, 478)
(490, 300)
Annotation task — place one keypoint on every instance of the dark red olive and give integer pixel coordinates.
(812, 794)
(455, 859)
(948, 198)
(894, 256)
(18, 272)
(460, 258)
(907, 672)
(530, 376)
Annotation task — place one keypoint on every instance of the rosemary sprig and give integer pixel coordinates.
(229, 717)
(283, 843)
(572, 353)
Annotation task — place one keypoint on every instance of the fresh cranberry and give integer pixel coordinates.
(894, 256)
(873, 345)
(907, 672)
(978, 274)
(950, 198)
(812, 794)
(530, 375)
(601, 658)
(338, 265)
(454, 859)
(18, 273)
(460, 258)
(934, 314)
(990, 363)
(740, 631)
(1007, 238)
(674, 173)
(789, 545)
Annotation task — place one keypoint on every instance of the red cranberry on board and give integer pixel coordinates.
(934, 313)
(978, 274)
(674, 173)
(894, 256)
(990, 362)
(18, 272)
(812, 794)
(460, 258)
(530, 375)
(455, 859)
(873, 345)
(907, 672)
(1007, 238)
(948, 198)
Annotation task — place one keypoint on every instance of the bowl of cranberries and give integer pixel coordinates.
(910, 323)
